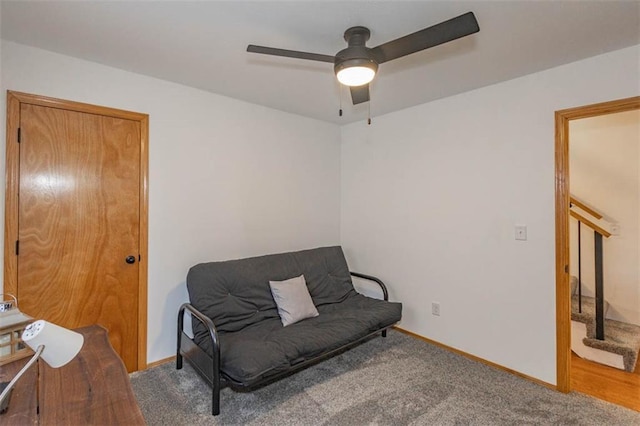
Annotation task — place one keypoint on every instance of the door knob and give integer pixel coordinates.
(130, 259)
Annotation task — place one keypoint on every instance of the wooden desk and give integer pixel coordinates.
(93, 389)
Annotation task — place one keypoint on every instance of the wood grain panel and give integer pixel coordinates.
(606, 383)
(23, 406)
(27, 98)
(563, 300)
(586, 208)
(93, 389)
(603, 108)
(12, 177)
(143, 242)
(14, 102)
(78, 221)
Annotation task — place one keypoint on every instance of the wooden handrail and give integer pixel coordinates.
(586, 208)
(590, 224)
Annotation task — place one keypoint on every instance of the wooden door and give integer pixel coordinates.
(78, 248)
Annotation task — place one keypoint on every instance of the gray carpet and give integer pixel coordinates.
(399, 380)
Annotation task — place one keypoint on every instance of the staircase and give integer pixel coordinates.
(621, 343)
(593, 336)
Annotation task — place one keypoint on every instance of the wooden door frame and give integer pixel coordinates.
(12, 187)
(563, 292)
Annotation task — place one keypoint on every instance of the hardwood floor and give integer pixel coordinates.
(606, 383)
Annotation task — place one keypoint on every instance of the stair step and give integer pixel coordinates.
(619, 338)
(588, 313)
(578, 333)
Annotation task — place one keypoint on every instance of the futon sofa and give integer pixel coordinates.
(258, 319)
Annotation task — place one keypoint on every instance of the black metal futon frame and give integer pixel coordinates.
(209, 367)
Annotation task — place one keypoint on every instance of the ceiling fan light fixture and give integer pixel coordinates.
(356, 66)
(355, 76)
(356, 72)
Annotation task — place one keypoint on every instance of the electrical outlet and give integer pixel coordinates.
(435, 308)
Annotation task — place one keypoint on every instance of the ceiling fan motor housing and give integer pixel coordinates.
(357, 54)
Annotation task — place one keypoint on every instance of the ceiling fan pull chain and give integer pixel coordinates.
(369, 114)
(340, 97)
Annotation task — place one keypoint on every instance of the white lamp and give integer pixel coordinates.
(355, 71)
(60, 345)
(56, 345)
(355, 76)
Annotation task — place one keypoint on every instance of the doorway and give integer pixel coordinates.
(562, 199)
(76, 217)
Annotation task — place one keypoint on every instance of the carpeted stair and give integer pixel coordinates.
(619, 337)
(588, 313)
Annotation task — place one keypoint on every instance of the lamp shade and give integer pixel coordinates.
(355, 71)
(60, 345)
(355, 76)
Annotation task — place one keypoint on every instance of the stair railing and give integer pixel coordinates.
(597, 216)
(598, 233)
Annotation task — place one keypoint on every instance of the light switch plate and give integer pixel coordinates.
(521, 232)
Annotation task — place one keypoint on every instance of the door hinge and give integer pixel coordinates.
(17, 247)
(566, 269)
(19, 135)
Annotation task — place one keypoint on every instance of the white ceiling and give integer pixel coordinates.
(202, 44)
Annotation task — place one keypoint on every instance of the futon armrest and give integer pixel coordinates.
(206, 321)
(374, 279)
(208, 367)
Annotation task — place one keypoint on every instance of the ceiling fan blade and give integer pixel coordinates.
(290, 53)
(443, 32)
(359, 94)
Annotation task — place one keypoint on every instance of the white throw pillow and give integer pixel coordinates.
(293, 300)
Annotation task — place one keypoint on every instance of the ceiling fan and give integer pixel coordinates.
(356, 66)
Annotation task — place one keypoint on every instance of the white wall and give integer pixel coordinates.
(604, 153)
(428, 199)
(228, 179)
(431, 195)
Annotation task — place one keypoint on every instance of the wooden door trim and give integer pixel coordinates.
(562, 195)
(14, 100)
